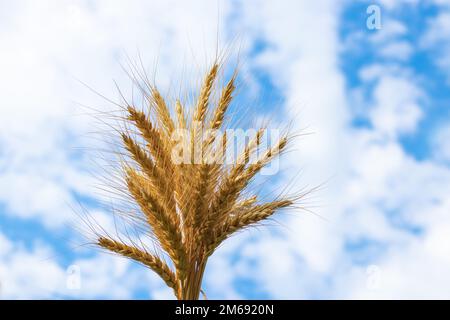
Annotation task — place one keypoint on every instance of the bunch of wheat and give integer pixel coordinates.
(190, 206)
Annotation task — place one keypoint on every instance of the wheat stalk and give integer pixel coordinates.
(190, 208)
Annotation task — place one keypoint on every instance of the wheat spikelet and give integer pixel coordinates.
(180, 115)
(190, 208)
(244, 204)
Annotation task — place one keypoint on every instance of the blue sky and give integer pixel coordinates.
(375, 102)
(422, 62)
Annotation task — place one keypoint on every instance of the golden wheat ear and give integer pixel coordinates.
(189, 208)
(143, 257)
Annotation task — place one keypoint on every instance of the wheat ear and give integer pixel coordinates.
(151, 261)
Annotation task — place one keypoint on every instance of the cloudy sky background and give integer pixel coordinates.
(375, 101)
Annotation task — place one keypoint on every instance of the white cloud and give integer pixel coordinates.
(389, 42)
(397, 4)
(397, 108)
(435, 40)
(441, 143)
(391, 30)
(27, 273)
(400, 50)
(221, 273)
(441, 2)
(438, 29)
(415, 269)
